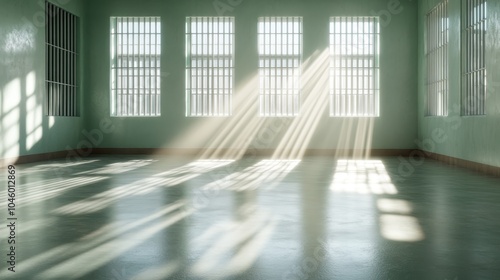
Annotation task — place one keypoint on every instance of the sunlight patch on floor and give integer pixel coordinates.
(363, 177)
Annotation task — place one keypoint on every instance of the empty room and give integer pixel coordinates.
(249, 139)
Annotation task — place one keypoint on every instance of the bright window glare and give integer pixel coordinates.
(354, 66)
(135, 66)
(437, 60)
(209, 66)
(280, 59)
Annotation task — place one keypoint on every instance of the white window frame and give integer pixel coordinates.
(280, 60)
(474, 25)
(354, 66)
(209, 66)
(135, 66)
(437, 60)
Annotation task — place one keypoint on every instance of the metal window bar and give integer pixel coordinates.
(437, 60)
(354, 66)
(280, 59)
(209, 66)
(61, 57)
(474, 15)
(135, 66)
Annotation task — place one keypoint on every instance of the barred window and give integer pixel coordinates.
(437, 60)
(354, 66)
(135, 66)
(474, 14)
(209, 66)
(280, 58)
(61, 41)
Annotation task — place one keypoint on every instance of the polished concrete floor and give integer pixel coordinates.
(143, 217)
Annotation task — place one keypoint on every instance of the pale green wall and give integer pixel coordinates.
(396, 128)
(474, 138)
(24, 127)
(22, 75)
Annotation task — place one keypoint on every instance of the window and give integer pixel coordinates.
(61, 41)
(354, 67)
(280, 58)
(209, 66)
(135, 66)
(473, 57)
(437, 60)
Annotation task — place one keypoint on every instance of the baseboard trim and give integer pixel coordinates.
(471, 165)
(250, 152)
(32, 158)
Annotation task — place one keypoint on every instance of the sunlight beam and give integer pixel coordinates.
(226, 138)
(119, 167)
(355, 138)
(104, 253)
(45, 167)
(263, 174)
(143, 186)
(235, 134)
(296, 140)
(246, 238)
(51, 189)
(104, 234)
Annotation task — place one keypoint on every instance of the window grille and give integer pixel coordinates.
(209, 66)
(135, 66)
(354, 66)
(61, 46)
(280, 58)
(437, 60)
(473, 57)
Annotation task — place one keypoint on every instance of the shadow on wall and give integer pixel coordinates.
(23, 123)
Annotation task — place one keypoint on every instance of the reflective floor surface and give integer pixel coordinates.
(124, 217)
